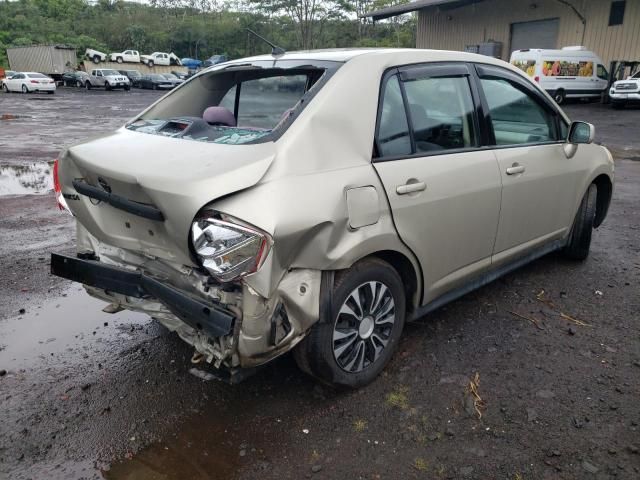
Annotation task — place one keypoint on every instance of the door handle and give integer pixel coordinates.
(411, 188)
(515, 169)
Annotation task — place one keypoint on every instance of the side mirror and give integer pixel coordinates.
(581, 132)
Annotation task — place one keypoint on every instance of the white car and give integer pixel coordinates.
(625, 92)
(160, 58)
(95, 56)
(132, 56)
(27, 82)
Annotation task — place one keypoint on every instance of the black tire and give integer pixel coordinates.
(25, 89)
(150, 64)
(618, 106)
(119, 60)
(107, 87)
(96, 59)
(154, 86)
(79, 84)
(51, 92)
(127, 88)
(315, 353)
(580, 237)
(5, 88)
(559, 96)
(87, 85)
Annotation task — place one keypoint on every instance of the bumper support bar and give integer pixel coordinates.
(209, 318)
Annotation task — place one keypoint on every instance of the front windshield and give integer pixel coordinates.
(170, 76)
(108, 73)
(636, 75)
(238, 104)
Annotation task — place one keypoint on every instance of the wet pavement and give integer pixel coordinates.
(86, 394)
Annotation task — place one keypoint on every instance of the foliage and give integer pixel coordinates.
(198, 28)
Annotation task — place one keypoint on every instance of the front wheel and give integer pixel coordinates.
(617, 106)
(119, 59)
(107, 86)
(5, 88)
(580, 237)
(150, 64)
(361, 330)
(96, 59)
(79, 84)
(87, 85)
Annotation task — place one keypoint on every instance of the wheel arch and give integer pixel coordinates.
(603, 200)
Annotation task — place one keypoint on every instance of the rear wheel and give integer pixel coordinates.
(360, 333)
(25, 89)
(5, 88)
(51, 92)
(559, 96)
(580, 237)
(617, 105)
(154, 87)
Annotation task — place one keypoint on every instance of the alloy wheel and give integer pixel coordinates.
(363, 326)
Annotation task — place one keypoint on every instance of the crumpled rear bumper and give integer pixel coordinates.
(209, 318)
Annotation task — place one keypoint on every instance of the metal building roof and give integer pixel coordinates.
(417, 5)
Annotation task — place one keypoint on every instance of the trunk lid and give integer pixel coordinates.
(176, 176)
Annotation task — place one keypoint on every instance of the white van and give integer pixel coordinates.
(573, 72)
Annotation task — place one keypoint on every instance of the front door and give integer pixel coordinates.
(539, 181)
(443, 190)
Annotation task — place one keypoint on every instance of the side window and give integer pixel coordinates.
(99, 74)
(441, 111)
(393, 129)
(516, 117)
(602, 72)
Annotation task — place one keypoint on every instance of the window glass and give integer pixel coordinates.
(393, 131)
(602, 72)
(516, 117)
(616, 14)
(441, 111)
(265, 101)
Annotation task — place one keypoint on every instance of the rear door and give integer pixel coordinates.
(539, 181)
(443, 188)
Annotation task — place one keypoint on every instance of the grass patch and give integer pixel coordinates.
(398, 398)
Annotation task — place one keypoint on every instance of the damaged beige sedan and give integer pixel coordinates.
(316, 201)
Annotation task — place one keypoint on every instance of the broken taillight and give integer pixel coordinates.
(57, 188)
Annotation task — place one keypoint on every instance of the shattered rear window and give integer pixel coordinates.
(251, 102)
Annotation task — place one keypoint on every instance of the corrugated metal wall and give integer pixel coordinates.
(41, 58)
(492, 19)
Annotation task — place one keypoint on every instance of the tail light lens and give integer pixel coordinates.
(35, 81)
(228, 248)
(57, 188)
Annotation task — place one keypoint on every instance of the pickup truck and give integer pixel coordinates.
(107, 78)
(132, 56)
(160, 58)
(95, 56)
(625, 92)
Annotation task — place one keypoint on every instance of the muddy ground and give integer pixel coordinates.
(85, 394)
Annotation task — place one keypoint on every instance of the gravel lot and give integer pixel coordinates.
(90, 395)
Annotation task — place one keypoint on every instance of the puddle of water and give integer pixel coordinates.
(27, 178)
(63, 326)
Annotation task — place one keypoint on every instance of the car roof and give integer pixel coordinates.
(346, 54)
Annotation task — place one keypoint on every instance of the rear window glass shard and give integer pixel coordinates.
(237, 104)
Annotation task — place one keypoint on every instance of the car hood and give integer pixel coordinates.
(176, 176)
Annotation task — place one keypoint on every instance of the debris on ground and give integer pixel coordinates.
(530, 319)
(550, 304)
(472, 389)
(196, 372)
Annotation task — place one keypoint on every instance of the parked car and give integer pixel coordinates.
(572, 72)
(95, 56)
(160, 58)
(155, 81)
(180, 75)
(191, 63)
(320, 220)
(134, 76)
(173, 79)
(132, 56)
(7, 74)
(214, 60)
(625, 92)
(107, 78)
(75, 78)
(27, 82)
